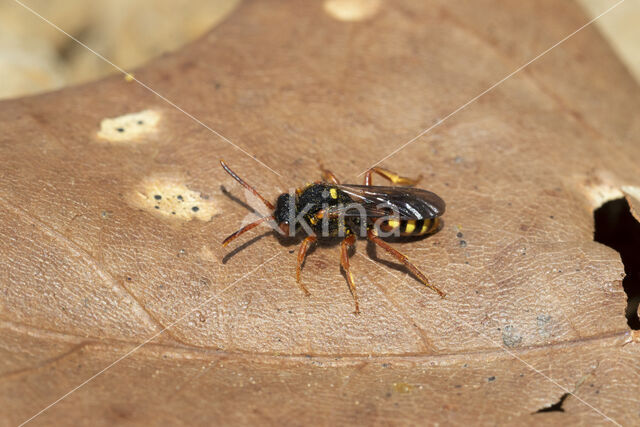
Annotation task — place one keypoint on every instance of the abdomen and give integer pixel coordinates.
(411, 227)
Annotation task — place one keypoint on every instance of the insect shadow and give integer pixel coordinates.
(373, 254)
(235, 199)
(243, 246)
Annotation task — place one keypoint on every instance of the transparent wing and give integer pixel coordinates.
(403, 202)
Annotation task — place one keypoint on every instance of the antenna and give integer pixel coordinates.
(247, 186)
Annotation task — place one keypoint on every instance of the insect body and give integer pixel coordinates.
(329, 209)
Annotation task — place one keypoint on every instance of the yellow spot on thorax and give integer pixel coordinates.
(334, 193)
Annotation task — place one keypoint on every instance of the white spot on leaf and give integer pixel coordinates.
(351, 10)
(130, 127)
(169, 197)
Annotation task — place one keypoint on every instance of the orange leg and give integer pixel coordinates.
(348, 242)
(403, 259)
(393, 177)
(246, 228)
(328, 176)
(301, 254)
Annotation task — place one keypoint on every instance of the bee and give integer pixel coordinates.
(329, 209)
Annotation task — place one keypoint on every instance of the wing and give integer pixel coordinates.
(405, 202)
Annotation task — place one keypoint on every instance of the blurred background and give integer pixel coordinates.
(35, 57)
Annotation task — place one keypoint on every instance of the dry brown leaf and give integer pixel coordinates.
(535, 308)
(632, 195)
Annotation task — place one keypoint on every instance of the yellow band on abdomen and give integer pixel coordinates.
(410, 227)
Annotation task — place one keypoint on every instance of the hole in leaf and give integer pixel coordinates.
(618, 229)
(556, 407)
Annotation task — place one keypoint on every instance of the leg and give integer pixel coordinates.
(328, 176)
(403, 259)
(301, 254)
(393, 177)
(344, 261)
(246, 228)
